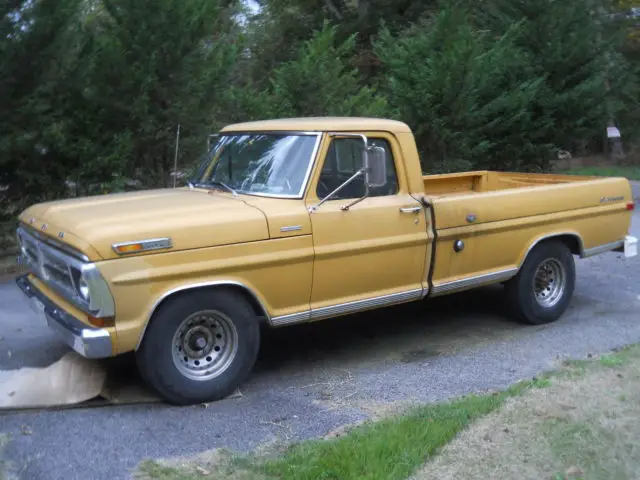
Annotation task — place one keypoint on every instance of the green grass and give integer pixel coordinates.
(576, 368)
(388, 449)
(630, 172)
(611, 360)
(393, 448)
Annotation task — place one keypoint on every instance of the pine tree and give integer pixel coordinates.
(563, 42)
(320, 81)
(34, 40)
(467, 95)
(147, 67)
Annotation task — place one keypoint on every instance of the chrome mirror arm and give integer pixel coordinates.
(365, 140)
(313, 208)
(344, 208)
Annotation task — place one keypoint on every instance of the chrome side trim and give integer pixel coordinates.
(359, 305)
(347, 308)
(292, 228)
(292, 319)
(506, 274)
(607, 247)
(475, 281)
(221, 283)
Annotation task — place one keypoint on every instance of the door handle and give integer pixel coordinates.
(410, 209)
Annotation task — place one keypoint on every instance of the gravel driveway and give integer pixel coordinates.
(312, 379)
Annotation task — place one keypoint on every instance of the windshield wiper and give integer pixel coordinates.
(235, 194)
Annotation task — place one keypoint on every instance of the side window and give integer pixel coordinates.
(344, 158)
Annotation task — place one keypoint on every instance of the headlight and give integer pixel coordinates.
(101, 302)
(92, 290)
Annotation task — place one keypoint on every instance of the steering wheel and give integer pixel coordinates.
(324, 190)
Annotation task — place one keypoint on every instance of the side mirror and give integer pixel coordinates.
(375, 167)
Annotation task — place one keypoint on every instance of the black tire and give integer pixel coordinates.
(527, 307)
(155, 357)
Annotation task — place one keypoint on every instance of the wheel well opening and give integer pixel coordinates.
(247, 295)
(571, 241)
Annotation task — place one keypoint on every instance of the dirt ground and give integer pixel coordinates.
(583, 426)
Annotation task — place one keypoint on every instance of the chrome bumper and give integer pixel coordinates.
(87, 341)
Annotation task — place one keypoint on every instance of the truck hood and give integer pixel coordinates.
(192, 219)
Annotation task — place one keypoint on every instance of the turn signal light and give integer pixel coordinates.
(631, 205)
(132, 247)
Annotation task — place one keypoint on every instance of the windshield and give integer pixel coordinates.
(269, 164)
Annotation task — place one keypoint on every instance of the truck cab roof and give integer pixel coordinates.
(321, 124)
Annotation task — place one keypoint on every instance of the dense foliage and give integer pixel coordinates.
(92, 91)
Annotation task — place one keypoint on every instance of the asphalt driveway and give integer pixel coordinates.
(312, 379)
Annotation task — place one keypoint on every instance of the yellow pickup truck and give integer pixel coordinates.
(297, 220)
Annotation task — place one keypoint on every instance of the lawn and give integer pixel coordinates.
(577, 422)
(630, 172)
(388, 449)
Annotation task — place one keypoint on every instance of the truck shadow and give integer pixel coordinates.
(404, 333)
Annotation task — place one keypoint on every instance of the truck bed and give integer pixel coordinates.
(499, 216)
(486, 181)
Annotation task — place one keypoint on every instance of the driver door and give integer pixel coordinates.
(374, 253)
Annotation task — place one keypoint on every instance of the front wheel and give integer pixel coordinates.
(200, 346)
(543, 288)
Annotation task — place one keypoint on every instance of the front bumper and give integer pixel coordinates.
(90, 342)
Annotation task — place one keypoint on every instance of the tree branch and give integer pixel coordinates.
(334, 10)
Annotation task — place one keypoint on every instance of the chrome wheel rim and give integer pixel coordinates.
(204, 345)
(549, 282)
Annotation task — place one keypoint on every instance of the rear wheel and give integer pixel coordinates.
(543, 288)
(200, 346)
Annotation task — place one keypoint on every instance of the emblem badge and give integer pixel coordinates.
(60, 234)
(611, 199)
(43, 227)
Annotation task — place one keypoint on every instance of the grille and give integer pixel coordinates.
(55, 268)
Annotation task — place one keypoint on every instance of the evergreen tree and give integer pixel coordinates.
(467, 95)
(34, 40)
(563, 42)
(319, 81)
(147, 67)
(276, 33)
